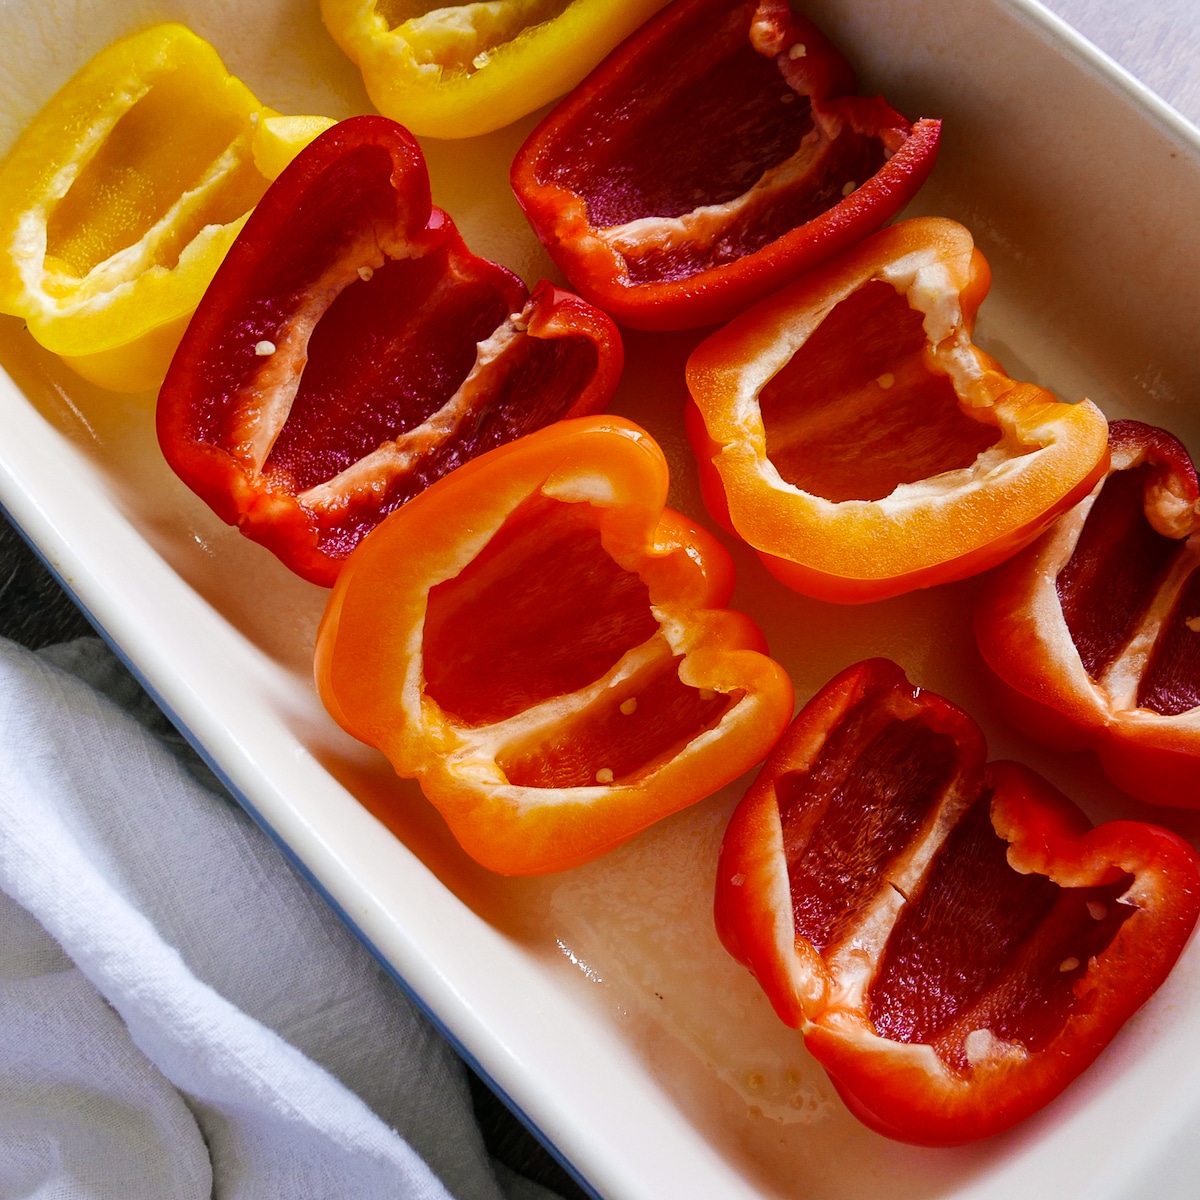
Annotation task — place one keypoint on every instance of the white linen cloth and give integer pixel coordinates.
(181, 1017)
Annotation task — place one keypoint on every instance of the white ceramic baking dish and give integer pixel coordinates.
(599, 1000)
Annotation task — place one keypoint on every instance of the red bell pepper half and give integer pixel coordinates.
(351, 350)
(1093, 632)
(955, 939)
(717, 154)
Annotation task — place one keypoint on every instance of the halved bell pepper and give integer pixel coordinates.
(465, 69)
(954, 939)
(121, 198)
(717, 154)
(545, 647)
(351, 350)
(848, 429)
(1092, 632)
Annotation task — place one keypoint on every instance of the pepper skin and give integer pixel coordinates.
(351, 350)
(849, 431)
(546, 649)
(467, 69)
(716, 155)
(121, 198)
(1090, 632)
(954, 939)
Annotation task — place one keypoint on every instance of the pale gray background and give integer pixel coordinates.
(1156, 40)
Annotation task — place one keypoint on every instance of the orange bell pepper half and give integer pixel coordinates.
(848, 429)
(546, 649)
(953, 937)
(1091, 632)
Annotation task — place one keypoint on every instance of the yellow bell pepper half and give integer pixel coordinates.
(467, 69)
(119, 201)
